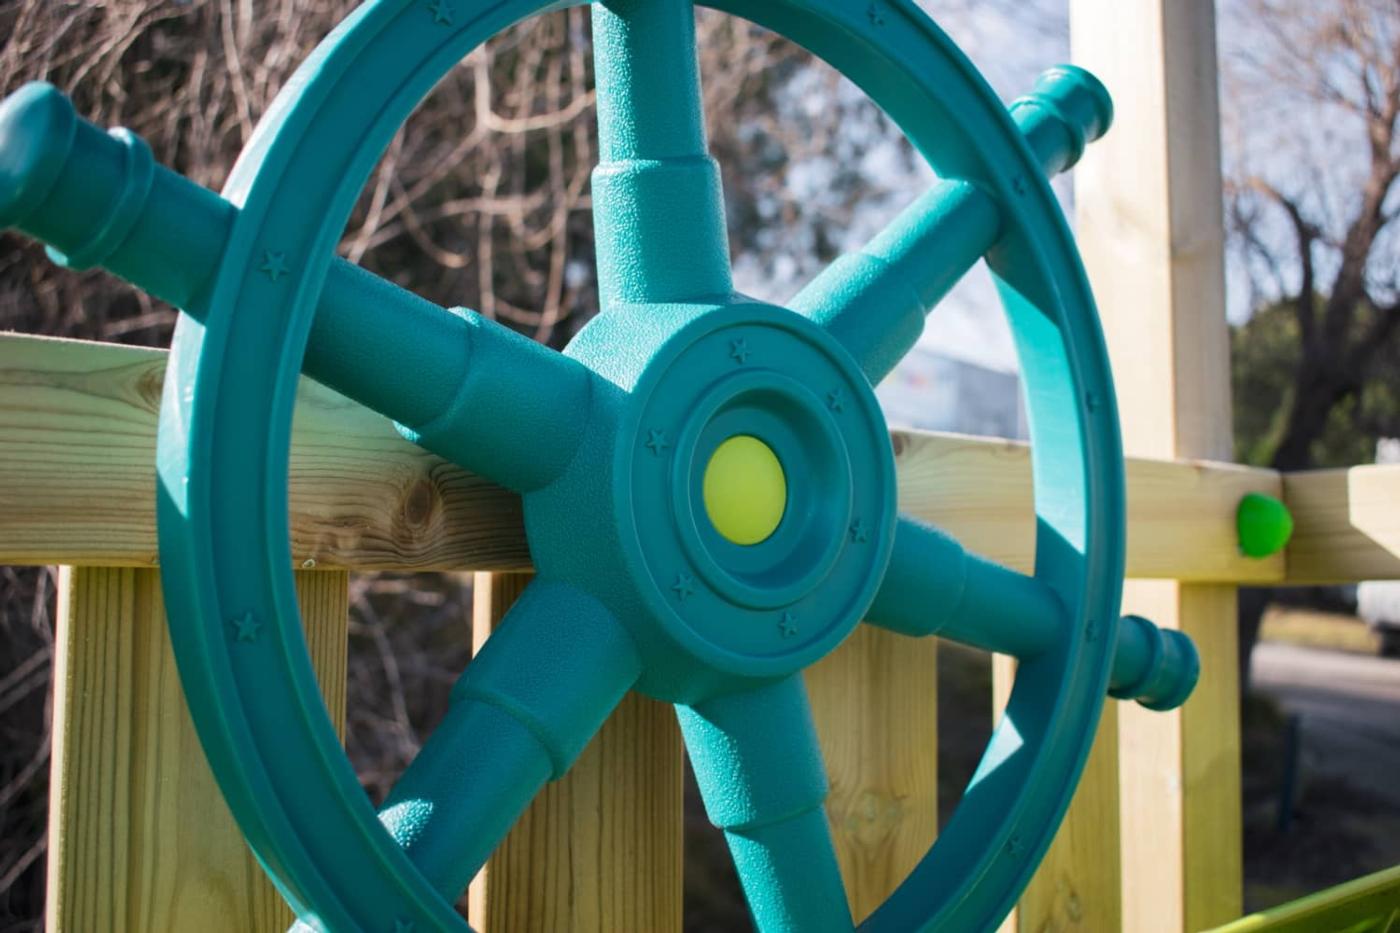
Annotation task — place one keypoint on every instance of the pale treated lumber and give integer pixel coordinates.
(1181, 513)
(1346, 524)
(77, 442)
(1148, 203)
(601, 848)
(139, 836)
(77, 473)
(1078, 884)
(875, 702)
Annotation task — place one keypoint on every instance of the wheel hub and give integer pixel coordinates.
(753, 484)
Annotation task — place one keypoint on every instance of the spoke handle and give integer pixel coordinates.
(1157, 667)
(1067, 109)
(99, 198)
(874, 300)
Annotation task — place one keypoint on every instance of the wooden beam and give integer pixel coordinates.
(601, 848)
(875, 702)
(1078, 885)
(77, 442)
(77, 483)
(139, 836)
(1346, 524)
(1149, 206)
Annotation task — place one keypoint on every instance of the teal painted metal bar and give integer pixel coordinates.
(465, 387)
(657, 202)
(934, 586)
(759, 768)
(874, 300)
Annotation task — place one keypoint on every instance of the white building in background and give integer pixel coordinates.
(937, 392)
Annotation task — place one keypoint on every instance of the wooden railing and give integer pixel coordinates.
(140, 839)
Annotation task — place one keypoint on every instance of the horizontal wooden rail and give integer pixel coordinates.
(1348, 524)
(77, 440)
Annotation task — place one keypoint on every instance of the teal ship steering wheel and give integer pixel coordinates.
(708, 482)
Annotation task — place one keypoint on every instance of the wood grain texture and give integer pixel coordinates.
(1212, 818)
(1346, 524)
(77, 483)
(140, 838)
(1149, 205)
(1078, 885)
(601, 848)
(1180, 773)
(77, 441)
(875, 702)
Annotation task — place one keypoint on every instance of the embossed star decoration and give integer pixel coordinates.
(836, 400)
(274, 264)
(739, 351)
(442, 12)
(684, 585)
(788, 625)
(859, 532)
(246, 627)
(656, 440)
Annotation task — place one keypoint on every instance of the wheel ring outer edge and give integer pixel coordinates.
(197, 587)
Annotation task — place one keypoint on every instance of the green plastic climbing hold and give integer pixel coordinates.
(1264, 525)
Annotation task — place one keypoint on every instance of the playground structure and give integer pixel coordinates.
(1152, 840)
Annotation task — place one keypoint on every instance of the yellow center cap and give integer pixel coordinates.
(745, 490)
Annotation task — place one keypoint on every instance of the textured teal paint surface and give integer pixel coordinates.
(607, 443)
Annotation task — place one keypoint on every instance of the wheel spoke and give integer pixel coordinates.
(874, 300)
(760, 772)
(520, 715)
(467, 388)
(935, 587)
(657, 205)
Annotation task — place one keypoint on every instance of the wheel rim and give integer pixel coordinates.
(988, 850)
(225, 559)
(225, 429)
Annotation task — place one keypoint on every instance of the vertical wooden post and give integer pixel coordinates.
(139, 836)
(1078, 884)
(1150, 229)
(600, 849)
(875, 701)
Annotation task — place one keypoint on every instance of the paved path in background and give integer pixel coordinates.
(1350, 709)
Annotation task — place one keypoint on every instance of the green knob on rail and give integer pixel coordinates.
(1264, 524)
